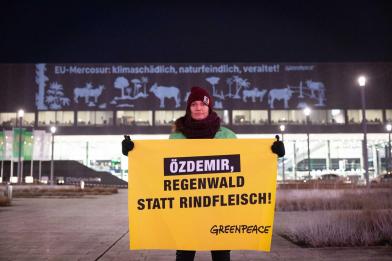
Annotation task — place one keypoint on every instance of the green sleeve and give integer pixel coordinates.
(176, 136)
(225, 133)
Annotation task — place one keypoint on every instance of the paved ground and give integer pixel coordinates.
(96, 228)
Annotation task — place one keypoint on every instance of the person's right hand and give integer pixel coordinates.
(127, 145)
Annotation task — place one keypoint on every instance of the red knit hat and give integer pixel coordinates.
(199, 94)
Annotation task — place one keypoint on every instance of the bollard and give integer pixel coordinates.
(82, 184)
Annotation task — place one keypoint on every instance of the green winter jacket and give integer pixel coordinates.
(222, 133)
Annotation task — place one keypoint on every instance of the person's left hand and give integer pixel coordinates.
(278, 147)
(127, 145)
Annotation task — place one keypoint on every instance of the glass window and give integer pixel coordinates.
(259, 116)
(164, 118)
(61, 118)
(138, 118)
(354, 116)
(279, 116)
(64, 118)
(336, 116)
(250, 117)
(318, 117)
(86, 118)
(46, 118)
(103, 118)
(241, 117)
(388, 115)
(29, 119)
(143, 118)
(296, 117)
(9, 119)
(98, 118)
(372, 116)
(125, 118)
(224, 116)
(287, 116)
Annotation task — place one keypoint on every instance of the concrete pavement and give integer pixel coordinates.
(96, 228)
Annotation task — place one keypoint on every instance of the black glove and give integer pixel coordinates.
(278, 147)
(127, 145)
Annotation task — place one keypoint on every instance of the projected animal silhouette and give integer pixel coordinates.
(162, 92)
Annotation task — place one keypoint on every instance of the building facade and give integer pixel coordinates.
(87, 101)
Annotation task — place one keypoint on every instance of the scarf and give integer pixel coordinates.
(198, 129)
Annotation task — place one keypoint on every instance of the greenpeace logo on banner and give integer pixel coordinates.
(202, 165)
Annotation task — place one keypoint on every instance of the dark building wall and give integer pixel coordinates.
(20, 83)
(234, 86)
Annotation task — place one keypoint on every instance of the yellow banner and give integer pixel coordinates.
(215, 194)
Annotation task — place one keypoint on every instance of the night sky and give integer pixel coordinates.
(238, 31)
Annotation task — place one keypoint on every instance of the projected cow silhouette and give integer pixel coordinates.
(254, 93)
(280, 94)
(88, 92)
(162, 92)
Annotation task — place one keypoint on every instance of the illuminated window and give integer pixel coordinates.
(10, 119)
(297, 117)
(336, 116)
(388, 115)
(372, 116)
(318, 117)
(250, 117)
(288, 117)
(223, 115)
(354, 116)
(134, 118)
(95, 118)
(60, 118)
(279, 116)
(167, 118)
(46, 118)
(64, 118)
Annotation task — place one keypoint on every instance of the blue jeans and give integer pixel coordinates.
(217, 255)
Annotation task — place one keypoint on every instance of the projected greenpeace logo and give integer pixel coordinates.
(202, 165)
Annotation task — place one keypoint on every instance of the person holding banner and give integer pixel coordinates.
(201, 122)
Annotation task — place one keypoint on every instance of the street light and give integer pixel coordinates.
(362, 84)
(53, 131)
(389, 129)
(307, 111)
(282, 129)
(20, 174)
